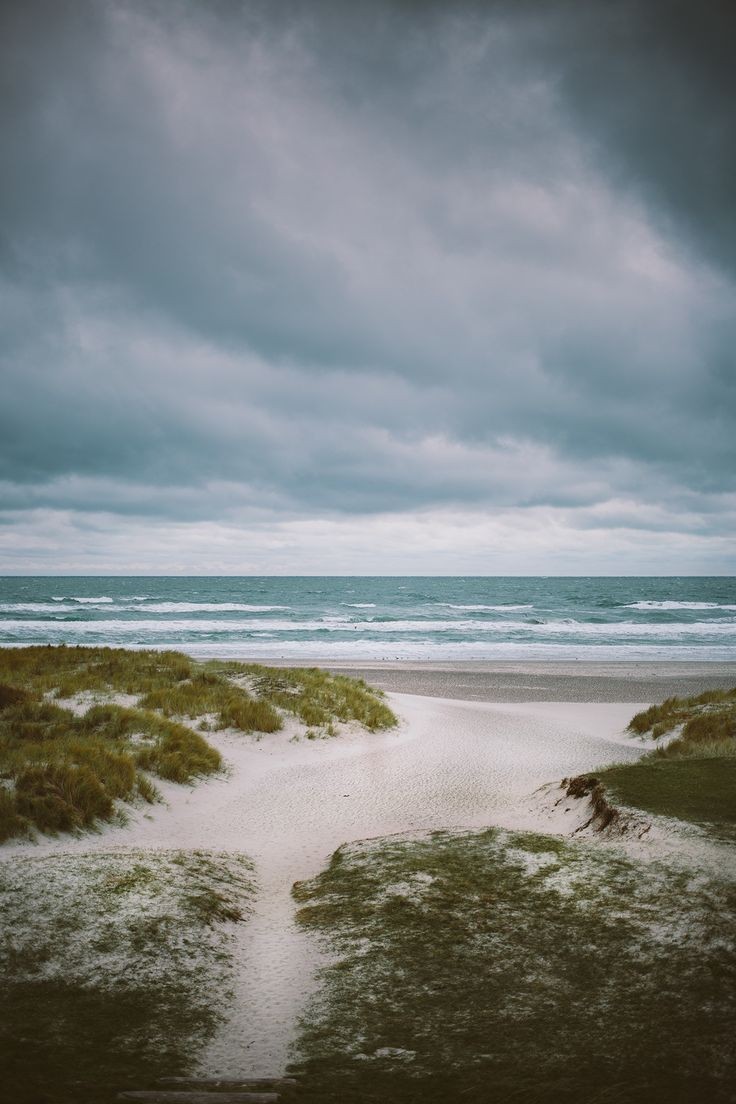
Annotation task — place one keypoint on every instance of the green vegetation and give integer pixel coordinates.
(318, 698)
(708, 719)
(702, 791)
(491, 967)
(115, 969)
(693, 776)
(60, 771)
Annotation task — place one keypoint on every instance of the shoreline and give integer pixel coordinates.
(533, 681)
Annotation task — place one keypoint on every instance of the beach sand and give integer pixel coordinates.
(513, 681)
(453, 762)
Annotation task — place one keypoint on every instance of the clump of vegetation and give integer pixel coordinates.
(208, 692)
(115, 969)
(493, 966)
(705, 717)
(693, 776)
(60, 771)
(701, 791)
(247, 696)
(69, 671)
(586, 785)
(318, 698)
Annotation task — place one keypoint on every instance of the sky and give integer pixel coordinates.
(384, 288)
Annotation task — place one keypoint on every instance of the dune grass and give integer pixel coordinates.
(247, 696)
(61, 772)
(316, 697)
(491, 967)
(707, 716)
(115, 968)
(692, 777)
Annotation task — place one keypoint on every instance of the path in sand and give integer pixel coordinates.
(451, 764)
(290, 805)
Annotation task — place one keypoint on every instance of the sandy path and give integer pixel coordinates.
(288, 806)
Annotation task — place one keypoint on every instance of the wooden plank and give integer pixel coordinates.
(159, 1096)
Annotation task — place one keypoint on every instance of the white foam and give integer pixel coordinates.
(209, 607)
(569, 628)
(83, 600)
(454, 605)
(647, 605)
(29, 607)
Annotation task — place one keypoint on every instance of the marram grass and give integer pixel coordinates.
(692, 775)
(60, 771)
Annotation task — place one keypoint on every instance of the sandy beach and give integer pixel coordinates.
(456, 760)
(514, 681)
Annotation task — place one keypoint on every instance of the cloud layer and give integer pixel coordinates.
(293, 273)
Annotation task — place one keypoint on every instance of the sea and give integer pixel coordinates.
(351, 618)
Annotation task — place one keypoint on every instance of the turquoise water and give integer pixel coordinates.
(363, 618)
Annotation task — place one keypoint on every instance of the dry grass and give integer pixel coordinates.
(62, 772)
(319, 698)
(664, 718)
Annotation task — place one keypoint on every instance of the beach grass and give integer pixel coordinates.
(316, 697)
(692, 776)
(490, 966)
(707, 716)
(63, 772)
(115, 968)
(70, 752)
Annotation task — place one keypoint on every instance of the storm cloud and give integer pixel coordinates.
(458, 278)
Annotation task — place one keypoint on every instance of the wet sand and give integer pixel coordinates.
(582, 681)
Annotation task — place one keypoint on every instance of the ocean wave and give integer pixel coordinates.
(83, 600)
(470, 628)
(359, 650)
(647, 605)
(500, 609)
(210, 607)
(360, 605)
(154, 607)
(29, 607)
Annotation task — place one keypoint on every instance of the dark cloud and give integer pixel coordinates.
(321, 259)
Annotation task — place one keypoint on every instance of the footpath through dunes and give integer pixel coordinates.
(290, 805)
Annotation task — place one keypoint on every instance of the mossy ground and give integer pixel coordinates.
(60, 771)
(491, 967)
(114, 968)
